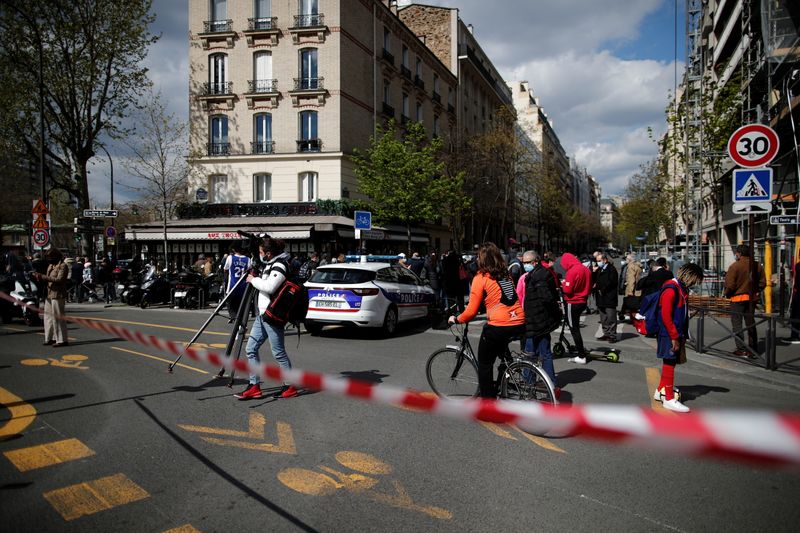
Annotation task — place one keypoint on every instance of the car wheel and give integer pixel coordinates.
(313, 328)
(390, 321)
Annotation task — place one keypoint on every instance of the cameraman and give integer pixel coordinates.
(275, 263)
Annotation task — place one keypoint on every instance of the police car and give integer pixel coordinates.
(365, 295)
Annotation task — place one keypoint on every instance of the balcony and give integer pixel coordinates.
(404, 120)
(309, 145)
(217, 31)
(387, 56)
(305, 88)
(217, 91)
(451, 108)
(436, 98)
(262, 28)
(308, 25)
(217, 149)
(262, 90)
(262, 147)
(405, 71)
(387, 110)
(419, 82)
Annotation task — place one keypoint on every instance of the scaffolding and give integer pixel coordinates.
(693, 131)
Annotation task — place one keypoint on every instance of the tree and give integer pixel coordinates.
(159, 159)
(89, 54)
(405, 178)
(647, 209)
(552, 207)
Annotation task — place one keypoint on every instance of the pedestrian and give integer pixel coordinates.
(308, 268)
(515, 265)
(575, 287)
(673, 322)
(453, 272)
(105, 277)
(433, 269)
(416, 264)
(794, 305)
(655, 278)
(492, 286)
(737, 288)
(275, 264)
(537, 289)
(208, 266)
(629, 277)
(401, 260)
(76, 277)
(55, 327)
(606, 281)
(235, 268)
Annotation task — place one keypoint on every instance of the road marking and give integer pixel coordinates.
(161, 326)
(364, 463)
(255, 430)
(22, 414)
(653, 376)
(95, 496)
(67, 361)
(49, 454)
(499, 431)
(157, 359)
(540, 441)
(185, 528)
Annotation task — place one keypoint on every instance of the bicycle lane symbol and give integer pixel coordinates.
(313, 483)
(66, 361)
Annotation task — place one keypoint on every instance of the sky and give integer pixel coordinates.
(603, 70)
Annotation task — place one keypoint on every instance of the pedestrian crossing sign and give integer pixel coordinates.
(752, 185)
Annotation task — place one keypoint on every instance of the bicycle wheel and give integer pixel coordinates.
(451, 374)
(523, 380)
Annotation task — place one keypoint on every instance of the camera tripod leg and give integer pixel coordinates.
(240, 330)
(207, 322)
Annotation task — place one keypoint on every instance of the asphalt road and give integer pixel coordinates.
(98, 436)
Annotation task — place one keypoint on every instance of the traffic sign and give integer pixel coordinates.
(362, 220)
(100, 213)
(111, 232)
(754, 145)
(752, 185)
(41, 237)
(40, 222)
(39, 207)
(781, 220)
(755, 208)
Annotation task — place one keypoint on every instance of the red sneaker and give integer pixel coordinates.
(252, 392)
(287, 391)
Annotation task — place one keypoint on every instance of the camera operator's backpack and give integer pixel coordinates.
(289, 304)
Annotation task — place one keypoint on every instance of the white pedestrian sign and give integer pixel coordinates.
(752, 185)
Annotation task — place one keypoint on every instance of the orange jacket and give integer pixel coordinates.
(485, 289)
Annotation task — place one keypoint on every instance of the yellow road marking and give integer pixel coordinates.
(363, 462)
(540, 441)
(499, 431)
(157, 359)
(94, 319)
(185, 528)
(34, 362)
(94, 496)
(653, 376)
(22, 414)
(255, 428)
(49, 454)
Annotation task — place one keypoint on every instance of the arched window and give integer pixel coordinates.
(262, 134)
(307, 185)
(262, 73)
(218, 74)
(218, 135)
(309, 140)
(308, 73)
(262, 187)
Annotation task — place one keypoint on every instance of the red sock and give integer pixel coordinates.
(667, 380)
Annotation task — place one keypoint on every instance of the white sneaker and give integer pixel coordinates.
(658, 395)
(577, 360)
(675, 405)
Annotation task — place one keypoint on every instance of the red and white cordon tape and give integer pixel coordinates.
(762, 437)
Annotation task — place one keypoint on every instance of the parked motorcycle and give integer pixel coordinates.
(121, 276)
(189, 291)
(156, 290)
(132, 293)
(24, 291)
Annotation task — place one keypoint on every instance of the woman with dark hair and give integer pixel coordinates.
(55, 328)
(493, 286)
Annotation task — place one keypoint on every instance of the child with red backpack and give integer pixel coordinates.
(673, 326)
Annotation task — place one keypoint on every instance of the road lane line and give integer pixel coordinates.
(185, 528)
(49, 454)
(161, 326)
(22, 414)
(157, 359)
(653, 376)
(95, 496)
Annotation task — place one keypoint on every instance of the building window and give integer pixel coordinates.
(405, 56)
(218, 136)
(262, 134)
(419, 68)
(309, 140)
(262, 9)
(218, 74)
(419, 112)
(308, 183)
(308, 69)
(219, 189)
(309, 7)
(262, 73)
(219, 15)
(436, 84)
(436, 131)
(405, 114)
(387, 92)
(262, 188)
(387, 39)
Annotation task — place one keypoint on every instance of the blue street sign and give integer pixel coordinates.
(752, 185)
(362, 220)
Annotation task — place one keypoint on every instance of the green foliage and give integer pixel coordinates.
(647, 206)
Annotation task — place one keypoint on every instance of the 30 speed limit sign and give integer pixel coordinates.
(754, 145)
(41, 237)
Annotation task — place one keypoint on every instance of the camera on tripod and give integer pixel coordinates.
(251, 243)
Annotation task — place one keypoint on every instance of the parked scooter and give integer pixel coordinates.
(132, 293)
(156, 290)
(121, 276)
(189, 291)
(24, 291)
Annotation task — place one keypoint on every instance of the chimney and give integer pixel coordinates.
(471, 28)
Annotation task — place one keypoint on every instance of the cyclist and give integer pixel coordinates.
(493, 287)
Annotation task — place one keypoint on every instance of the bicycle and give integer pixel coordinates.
(452, 372)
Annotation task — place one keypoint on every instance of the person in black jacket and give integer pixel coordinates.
(537, 289)
(655, 278)
(606, 283)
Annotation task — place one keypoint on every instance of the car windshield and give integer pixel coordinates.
(344, 276)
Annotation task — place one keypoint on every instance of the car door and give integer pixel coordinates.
(411, 301)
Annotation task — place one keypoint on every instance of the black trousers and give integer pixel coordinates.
(574, 312)
(744, 309)
(494, 342)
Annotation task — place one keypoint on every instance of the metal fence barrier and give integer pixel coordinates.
(766, 357)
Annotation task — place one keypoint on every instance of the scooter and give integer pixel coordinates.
(121, 276)
(189, 292)
(132, 294)
(156, 290)
(24, 291)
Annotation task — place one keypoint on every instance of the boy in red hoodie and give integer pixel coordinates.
(575, 286)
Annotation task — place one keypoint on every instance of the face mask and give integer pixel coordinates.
(263, 258)
(528, 267)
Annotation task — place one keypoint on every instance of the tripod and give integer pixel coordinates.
(239, 325)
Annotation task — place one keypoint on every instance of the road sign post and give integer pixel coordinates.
(362, 220)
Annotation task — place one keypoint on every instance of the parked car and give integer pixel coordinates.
(366, 295)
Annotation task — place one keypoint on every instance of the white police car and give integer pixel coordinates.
(365, 295)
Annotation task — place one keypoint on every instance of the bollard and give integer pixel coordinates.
(768, 275)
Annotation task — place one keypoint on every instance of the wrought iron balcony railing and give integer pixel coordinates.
(309, 84)
(436, 98)
(262, 23)
(387, 56)
(419, 82)
(262, 86)
(215, 148)
(405, 71)
(388, 110)
(217, 26)
(309, 20)
(262, 147)
(216, 88)
(309, 145)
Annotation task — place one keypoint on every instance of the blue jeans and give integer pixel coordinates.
(540, 347)
(259, 333)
